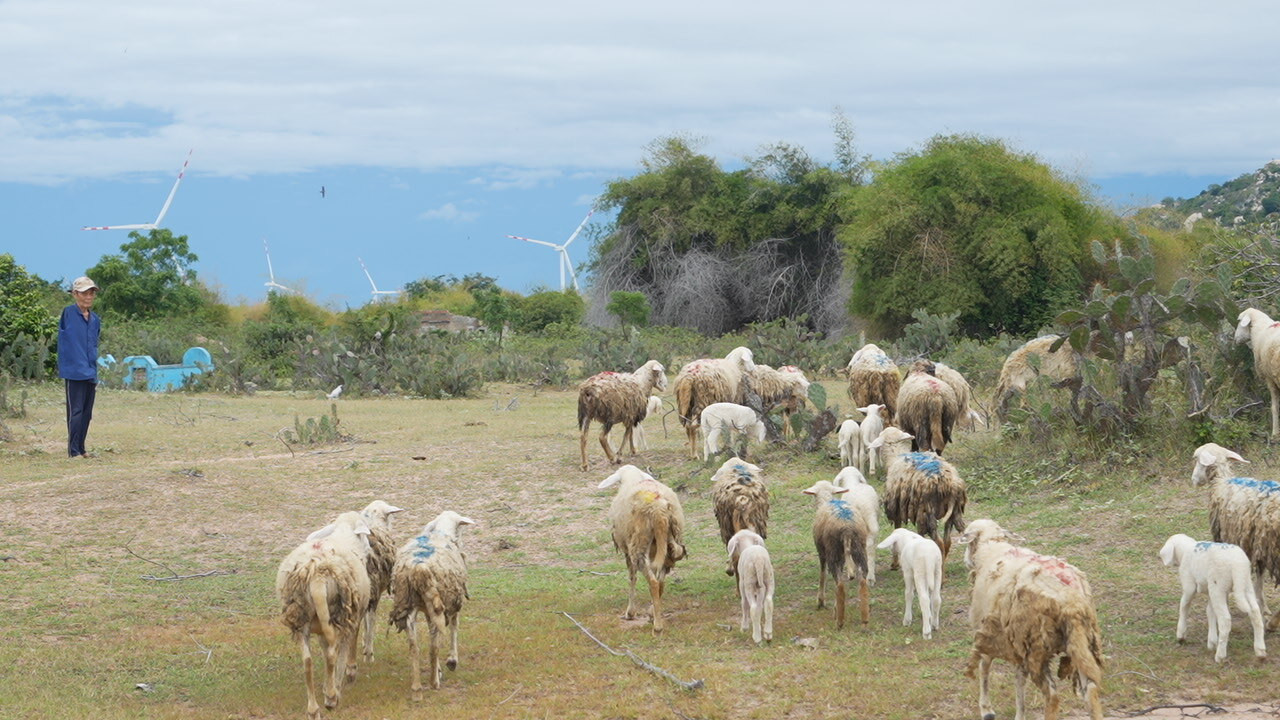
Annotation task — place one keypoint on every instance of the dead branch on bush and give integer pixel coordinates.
(694, 685)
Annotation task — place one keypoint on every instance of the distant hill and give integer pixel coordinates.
(1252, 198)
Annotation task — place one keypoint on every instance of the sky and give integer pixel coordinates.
(439, 129)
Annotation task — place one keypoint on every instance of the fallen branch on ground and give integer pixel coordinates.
(1211, 708)
(694, 685)
(207, 573)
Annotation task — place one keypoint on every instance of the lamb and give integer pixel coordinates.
(786, 387)
(323, 586)
(1244, 512)
(868, 430)
(741, 502)
(430, 576)
(1263, 336)
(1217, 569)
(864, 500)
(653, 408)
(706, 381)
(849, 440)
(617, 398)
(921, 488)
(927, 408)
(648, 529)
(1028, 609)
(728, 419)
(755, 583)
(840, 536)
(1060, 366)
(921, 562)
(382, 556)
(874, 378)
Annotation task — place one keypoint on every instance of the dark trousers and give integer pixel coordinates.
(80, 395)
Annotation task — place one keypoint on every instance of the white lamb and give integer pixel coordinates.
(866, 502)
(728, 419)
(755, 583)
(1216, 569)
(868, 430)
(921, 562)
(849, 441)
(653, 408)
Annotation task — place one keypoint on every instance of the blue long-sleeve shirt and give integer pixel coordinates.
(78, 344)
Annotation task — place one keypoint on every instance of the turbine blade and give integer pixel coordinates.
(580, 226)
(568, 264)
(270, 272)
(169, 200)
(366, 274)
(143, 226)
(540, 242)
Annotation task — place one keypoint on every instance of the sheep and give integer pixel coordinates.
(741, 502)
(728, 419)
(874, 378)
(706, 381)
(755, 583)
(614, 398)
(921, 488)
(323, 586)
(652, 408)
(1263, 336)
(921, 562)
(382, 556)
(864, 499)
(1028, 609)
(960, 386)
(849, 440)
(1244, 512)
(1060, 366)
(927, 408)
(839, 534)
(868, 430)
(648, 529)
(785, 387)
(1216, 569)
(430, 576)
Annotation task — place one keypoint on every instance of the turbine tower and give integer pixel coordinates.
(271, 273)
(565, 263)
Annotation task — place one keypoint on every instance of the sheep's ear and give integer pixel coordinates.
(361, 528)
(392, 509)
(908, 436)
(609, 481)
(1236, 456)
(322, 533)
(965, 537)
(809, 491)
(840, 491)
(877, 443)
(1015, 537)
(888, 542)
(430, 528)
(733, 545)
(1245, 318)
(464, 520)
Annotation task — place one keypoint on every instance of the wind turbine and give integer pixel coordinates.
(565, 263)
(168, 201)
(272, 273)
(376, 291)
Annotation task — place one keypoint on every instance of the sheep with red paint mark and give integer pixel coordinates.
(707, 381)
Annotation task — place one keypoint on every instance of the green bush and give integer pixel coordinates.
(539, 310)
(27, 330)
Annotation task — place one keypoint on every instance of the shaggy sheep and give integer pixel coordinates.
(617, 398)
(960, 386)
(648, 529)
(382, 556)
(653, 408)
(323, 588)
(727, 420)
(1216, 569)
(927, 408)
(1029, 609)
(1244, 512)
(840, 536)
(786, 387)
(921, 488)
(741, 502)
(706, 381)
(921, 562)
(755, 583)
(849, 440)
(864, 500)
(1061, 367)
(868, 430)
(430, 576)
(874, 378)
(1263, 336)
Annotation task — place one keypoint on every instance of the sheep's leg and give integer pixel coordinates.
(935, 598)
(871, 560)
(864, 601)
(1219, 624)
(710, 443)
(628, 440)
(1019, 694)
(1246, 603)
(840, 591)
(1275, 410)
(630, 614)
(984, 688)
(768, 617)
(411, 629)
(435, 624)
(822, 581)
(582, 443)
(313, 708)
(1183, 604)
(641, 441)
(369, 617)
(452, 661)
(908, 592)
(1051, 698)
(757, 613)
(350, 648)
(691, 431)
(655, 592)
(746, 606)
(604, 443)
(332, 652)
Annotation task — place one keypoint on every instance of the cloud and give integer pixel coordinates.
(449, 213)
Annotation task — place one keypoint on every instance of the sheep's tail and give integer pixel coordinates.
(937, 439)
(659, 547)
(319, 590)
(1083, 663)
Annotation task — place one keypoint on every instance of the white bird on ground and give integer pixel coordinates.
(334, 393)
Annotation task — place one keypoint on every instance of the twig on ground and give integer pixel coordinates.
(679, 714)
(1210, 708)
(513, 694)
(593, 572)
(694, 685)
(153, 562)
(207, 573)
(287, 445)
(207, 652)
(330, 452)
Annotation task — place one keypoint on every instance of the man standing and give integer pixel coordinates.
(78, 332)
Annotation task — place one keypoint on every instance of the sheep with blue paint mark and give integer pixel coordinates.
(430, 577)
(840, 536)
(740, 501)
(382, 557)
(874, 378)
(1242, 511)
(922, 489)
(864, 498)
(1216, 569)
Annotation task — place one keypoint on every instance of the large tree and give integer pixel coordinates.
(968, 225)
(151, 277)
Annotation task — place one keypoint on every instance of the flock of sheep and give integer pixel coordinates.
(1026, 608)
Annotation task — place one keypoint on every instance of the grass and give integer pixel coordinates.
(192, 483)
